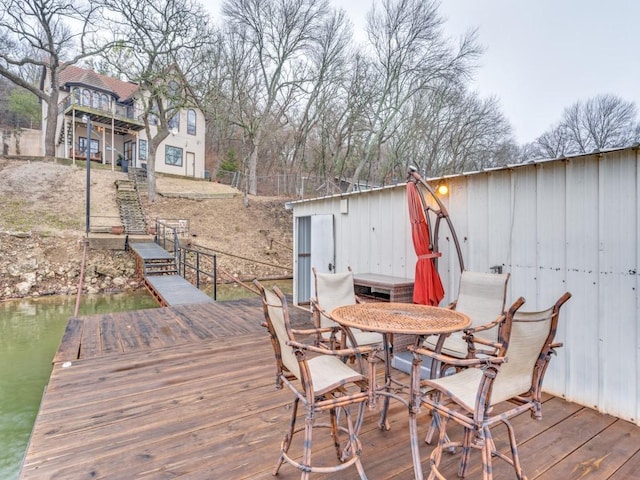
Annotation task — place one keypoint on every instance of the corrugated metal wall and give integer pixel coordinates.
(556, 226)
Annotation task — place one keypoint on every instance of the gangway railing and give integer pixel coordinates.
(194, 264)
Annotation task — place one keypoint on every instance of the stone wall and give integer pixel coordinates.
(34, 265)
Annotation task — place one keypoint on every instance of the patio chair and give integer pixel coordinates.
(334, 290)
(323, 383)
(482, 297)
(509, 370)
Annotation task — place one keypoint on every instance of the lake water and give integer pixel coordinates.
(30, 332)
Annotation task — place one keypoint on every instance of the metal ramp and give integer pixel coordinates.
(160, 274)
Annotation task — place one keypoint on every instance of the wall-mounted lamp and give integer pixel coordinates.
(442, 189)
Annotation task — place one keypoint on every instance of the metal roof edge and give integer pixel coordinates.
(527, 163)
(342, 195)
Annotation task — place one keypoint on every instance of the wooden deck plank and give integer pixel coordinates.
(69, 345)
(91, 336)
(602, 455)
(109, 339)
(206, 407)
(630, 468)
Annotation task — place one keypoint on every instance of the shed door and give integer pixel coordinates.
(315, 248)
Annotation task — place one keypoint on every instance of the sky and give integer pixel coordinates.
(541, 56)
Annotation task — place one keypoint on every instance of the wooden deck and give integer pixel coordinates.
(188, 392)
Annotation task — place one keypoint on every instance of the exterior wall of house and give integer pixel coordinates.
(192, 148)
(561, 225)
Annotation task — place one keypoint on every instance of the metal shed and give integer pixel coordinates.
(556, 225)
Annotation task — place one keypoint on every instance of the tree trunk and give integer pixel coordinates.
(253, 164)
(52, 118)
(151, 171)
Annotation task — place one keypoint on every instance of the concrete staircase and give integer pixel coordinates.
(131, 213)
(139, 176)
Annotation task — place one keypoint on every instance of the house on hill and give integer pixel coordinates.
(113, 109)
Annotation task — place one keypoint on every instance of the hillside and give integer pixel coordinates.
(42, 223)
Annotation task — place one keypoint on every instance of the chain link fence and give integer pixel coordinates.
(289, 185)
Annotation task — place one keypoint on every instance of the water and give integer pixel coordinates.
(30, 332)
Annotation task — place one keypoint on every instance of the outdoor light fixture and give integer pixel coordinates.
(442, 189)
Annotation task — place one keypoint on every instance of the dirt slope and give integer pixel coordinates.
(42, 220)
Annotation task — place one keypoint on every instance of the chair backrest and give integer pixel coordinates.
(482, 297)
(277, 319)
(528, 349)
(333, 290)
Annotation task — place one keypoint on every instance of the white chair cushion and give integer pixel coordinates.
(327, 372)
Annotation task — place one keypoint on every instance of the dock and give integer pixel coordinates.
(188, 391)
(160, 275)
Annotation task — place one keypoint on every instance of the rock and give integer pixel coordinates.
(20, 234)
(107, 271)
(23, 288)
(29, 277)
(119, 281)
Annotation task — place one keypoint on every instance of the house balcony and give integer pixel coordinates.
(124, 118)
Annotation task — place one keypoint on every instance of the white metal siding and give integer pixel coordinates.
(556, 226)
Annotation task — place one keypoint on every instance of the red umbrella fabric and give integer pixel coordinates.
(428, 289)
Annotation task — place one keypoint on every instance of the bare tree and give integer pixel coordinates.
(279, 34)
(553, 143)
(339, 131)
(328, 62)
(45, 36)
(159, 44)
(411, 56)
(604, 121)
(448, 130)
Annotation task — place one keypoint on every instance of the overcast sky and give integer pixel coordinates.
(542, 55)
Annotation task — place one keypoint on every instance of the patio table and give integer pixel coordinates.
(398, 318)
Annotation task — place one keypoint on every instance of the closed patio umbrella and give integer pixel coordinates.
(428, 289)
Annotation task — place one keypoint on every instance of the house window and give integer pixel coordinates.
(95, 100)
(82, 144)
(173, 90)
(76, 96)
(142, 147)
(174, 122)
(104, 102)
(86, 98)
(191, 122)
(173, 156)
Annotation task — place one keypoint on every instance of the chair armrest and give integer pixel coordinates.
(343, 352)
(313, 331)
(487, 326)
(457, 362)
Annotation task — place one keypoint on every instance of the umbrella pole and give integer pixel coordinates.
(414, 176)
